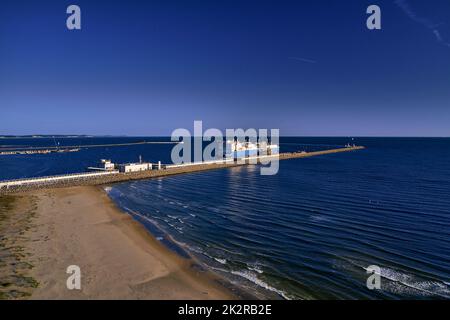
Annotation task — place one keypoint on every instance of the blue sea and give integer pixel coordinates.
(309, 232)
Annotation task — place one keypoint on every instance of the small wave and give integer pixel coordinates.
(255, 268)
(107, 189)
(130, 211)
(319, 218)
(180, 230)
(403, 284)
(176, 228)
(254, 278)
(222, 261)
(398, 282)
(407, 284)
(195, 249)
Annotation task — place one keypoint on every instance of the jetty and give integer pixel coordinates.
(58, 148)
(154, 170)
(38, 151)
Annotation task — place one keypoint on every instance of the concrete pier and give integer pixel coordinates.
(100, 178)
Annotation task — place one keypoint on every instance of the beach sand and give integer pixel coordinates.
(117, 257)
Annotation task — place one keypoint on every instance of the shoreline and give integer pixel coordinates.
(118, 257)
(242, 286)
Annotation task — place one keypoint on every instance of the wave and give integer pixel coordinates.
(256, 269)
(204, 253)
(398, 282)
(222, 261)
(252, 277)
(408, 284)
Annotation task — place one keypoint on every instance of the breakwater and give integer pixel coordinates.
(38, 151)
(100, 178)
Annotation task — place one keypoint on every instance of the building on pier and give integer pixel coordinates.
(134, 167)
(240, 150)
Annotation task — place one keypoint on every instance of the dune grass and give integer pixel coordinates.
(15, 282)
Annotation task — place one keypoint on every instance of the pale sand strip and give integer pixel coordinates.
(118, 258)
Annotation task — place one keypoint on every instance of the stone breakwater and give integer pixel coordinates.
(90, 180)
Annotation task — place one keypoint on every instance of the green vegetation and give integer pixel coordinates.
(15, 283)
(6, 204)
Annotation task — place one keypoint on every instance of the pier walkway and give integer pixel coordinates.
(106, 177)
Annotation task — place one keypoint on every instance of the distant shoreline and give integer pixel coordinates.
(85, 146)
(164, 136)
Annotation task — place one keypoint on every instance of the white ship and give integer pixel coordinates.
(241, 150)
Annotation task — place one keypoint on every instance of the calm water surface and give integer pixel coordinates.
(308, 232)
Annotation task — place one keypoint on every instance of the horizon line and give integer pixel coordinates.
(36, 136)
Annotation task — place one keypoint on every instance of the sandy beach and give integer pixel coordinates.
(45, 231)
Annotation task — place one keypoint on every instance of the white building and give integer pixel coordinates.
(134, 167)
(107, 164)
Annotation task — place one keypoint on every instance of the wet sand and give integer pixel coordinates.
(117, 257)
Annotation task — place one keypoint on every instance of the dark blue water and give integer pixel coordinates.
(21, 166)
(311, 230)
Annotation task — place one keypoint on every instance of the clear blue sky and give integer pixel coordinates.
(148, 67)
